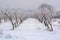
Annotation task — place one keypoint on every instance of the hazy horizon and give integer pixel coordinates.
(28, 4)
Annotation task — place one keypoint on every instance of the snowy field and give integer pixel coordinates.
(30, 29)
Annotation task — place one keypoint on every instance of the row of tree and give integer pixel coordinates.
(44, 14)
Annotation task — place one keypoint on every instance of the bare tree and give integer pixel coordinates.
(17, 18)
(10, 17)
(47, 11)
(2, 16)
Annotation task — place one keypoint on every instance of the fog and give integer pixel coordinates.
(28, 4)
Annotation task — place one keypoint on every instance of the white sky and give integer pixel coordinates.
(28, 4)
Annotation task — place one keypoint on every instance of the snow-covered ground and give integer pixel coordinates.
(30, 29)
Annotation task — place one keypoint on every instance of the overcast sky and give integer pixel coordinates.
(28, 4)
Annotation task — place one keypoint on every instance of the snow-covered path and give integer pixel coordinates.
(31, 29)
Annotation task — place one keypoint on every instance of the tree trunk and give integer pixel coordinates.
(0, 20)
